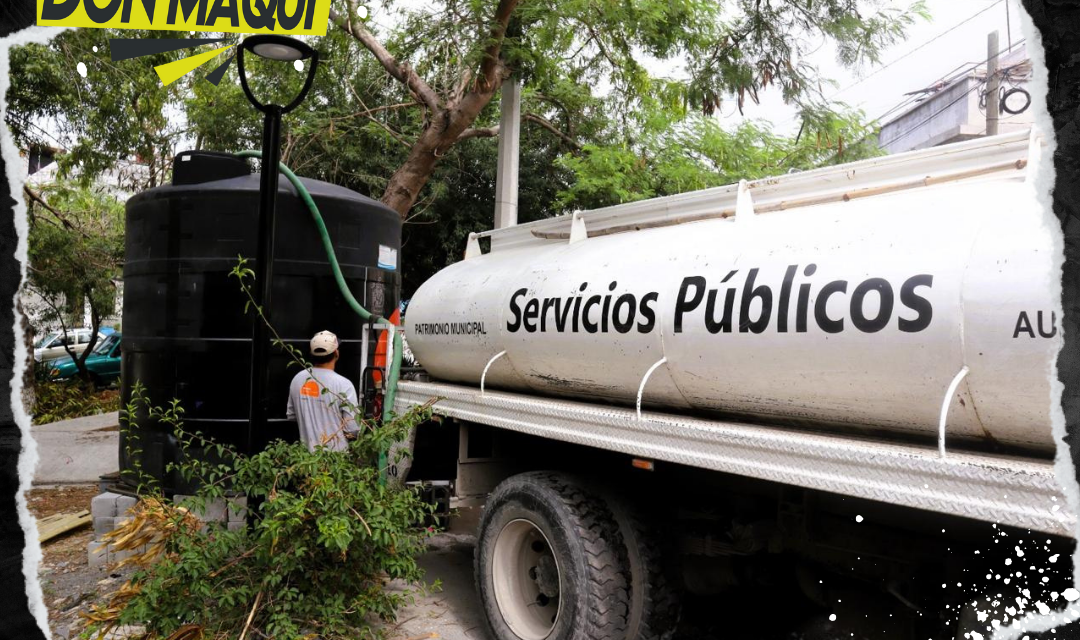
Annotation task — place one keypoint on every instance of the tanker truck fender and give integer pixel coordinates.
(550, 563)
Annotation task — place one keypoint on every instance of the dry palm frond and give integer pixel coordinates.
(107, 617)
(153, 521)
(187, 632)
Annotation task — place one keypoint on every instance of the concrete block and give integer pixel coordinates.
(124, 504)
(216, 511)
(103, 526)
(104, 505)
(236, 509)
(211, 511)
(116, 555)
(119, 556)
(237, 526)
(96, 554)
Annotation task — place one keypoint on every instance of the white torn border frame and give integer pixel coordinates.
(28, 458)
(1063, 465)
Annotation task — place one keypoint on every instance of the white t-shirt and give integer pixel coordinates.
(315, 402)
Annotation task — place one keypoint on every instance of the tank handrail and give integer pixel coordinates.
(783, 205)
(906, 170)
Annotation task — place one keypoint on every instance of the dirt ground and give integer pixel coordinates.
(68, 583)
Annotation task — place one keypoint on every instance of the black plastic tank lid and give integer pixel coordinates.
(196, 167)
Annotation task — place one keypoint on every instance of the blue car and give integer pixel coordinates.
(103, 363)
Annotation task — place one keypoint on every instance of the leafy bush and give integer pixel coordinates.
(326, 538)
(61, 401)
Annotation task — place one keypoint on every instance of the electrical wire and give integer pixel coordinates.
(949, 80)
(936, 113)
(958, 98)
(928, 42)
(961, 70)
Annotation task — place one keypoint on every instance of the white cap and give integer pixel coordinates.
(324, 343)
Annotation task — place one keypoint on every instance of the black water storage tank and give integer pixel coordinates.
(186, 335)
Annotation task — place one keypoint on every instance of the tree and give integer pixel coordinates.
(450, 59)
(598, 127)
(116, 111)
(76, 245)
(692, 153)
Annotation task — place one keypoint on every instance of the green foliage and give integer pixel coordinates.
(62, 401)
(669, 157)
(76, 248)
(324, 541)
(118, 111)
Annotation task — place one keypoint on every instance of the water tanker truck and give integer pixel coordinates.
(835, 382)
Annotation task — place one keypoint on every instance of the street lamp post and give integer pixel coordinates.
(280, 48)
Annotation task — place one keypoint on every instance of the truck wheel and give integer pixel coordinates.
(655, 604)
(549, 562)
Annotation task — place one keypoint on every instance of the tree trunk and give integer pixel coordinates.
(28, 396)
(80, 359)
(405, 185)
(441, 134)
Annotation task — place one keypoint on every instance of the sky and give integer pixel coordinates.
(916, 63)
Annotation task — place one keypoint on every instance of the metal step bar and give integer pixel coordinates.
(1018, 492)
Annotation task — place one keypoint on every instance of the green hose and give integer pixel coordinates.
(395, 365)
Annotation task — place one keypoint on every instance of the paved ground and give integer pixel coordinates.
(452, 613)
(78, 450)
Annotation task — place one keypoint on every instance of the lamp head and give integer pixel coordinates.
(275, 51)
(281, 49)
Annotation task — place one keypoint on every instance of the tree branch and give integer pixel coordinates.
(543, 122)
(562, 106)
(491, 67)
(489, 132)
(368, 112)
(402, 72)
(373, 110)
(36, 197)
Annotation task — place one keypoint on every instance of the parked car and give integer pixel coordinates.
(52, 345)
(103, 363)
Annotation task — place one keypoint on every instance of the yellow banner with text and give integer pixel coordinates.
(292, 17)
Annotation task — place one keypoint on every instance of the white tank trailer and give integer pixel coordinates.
(870, 299)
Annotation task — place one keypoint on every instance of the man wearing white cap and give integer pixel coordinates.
(320, 400)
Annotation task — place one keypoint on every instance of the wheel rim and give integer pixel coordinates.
(527, 580)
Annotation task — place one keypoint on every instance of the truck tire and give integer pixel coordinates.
(655, 602)
(549, 562)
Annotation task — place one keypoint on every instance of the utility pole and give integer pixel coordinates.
(993, 84)
(1008, 24)
(506, 176)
